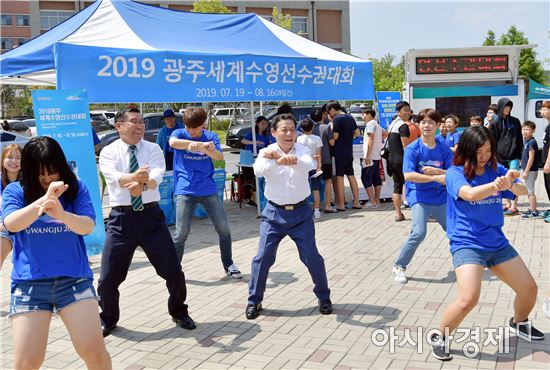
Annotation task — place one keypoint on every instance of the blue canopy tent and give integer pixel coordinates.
(122, 50)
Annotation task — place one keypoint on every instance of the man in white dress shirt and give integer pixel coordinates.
(133, 169)
(285, 166)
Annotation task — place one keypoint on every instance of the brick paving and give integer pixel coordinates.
(359, 247)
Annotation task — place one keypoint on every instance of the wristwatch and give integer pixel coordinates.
(145, 187)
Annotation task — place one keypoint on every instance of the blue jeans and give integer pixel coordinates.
(185, 206)
(49, 294)
(420, 214)
(484, 257)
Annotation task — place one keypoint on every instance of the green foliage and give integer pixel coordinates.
(7, 98)
(281, 20)
(529, 66)
(210, 6)
(388, 75)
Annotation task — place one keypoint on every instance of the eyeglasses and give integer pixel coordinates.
(135, 122)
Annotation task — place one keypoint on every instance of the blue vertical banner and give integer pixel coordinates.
(386, 101)
(64, 116)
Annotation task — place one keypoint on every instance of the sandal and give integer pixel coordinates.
(399, 219)
(330, 210)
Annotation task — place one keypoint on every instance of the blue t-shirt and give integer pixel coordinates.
(48, 248)
(529, 145)
(452, 139)
(418, 155)
(262, 141)
(475, 225)
(193, 172)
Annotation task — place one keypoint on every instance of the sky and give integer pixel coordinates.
(382, 27)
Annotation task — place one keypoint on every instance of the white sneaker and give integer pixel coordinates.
(317, 214)
(399, 275)
(233, 272)
(546, 307)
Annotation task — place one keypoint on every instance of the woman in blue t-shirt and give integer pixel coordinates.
(476, 185)
(262, 136)
(262, 141)
(48, 212)
(11, 172)
(453, 136)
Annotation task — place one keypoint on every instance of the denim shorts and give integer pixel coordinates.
(6, 235)
(483, 257)
(49, 294)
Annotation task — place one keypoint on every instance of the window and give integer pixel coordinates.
(538, 107)
(22, 20)
(49, 19)
(5, 19)
(6, 43)
(299, 26)
(21, 41)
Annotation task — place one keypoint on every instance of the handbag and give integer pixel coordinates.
(385, 151)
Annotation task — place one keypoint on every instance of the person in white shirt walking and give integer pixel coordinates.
(285, 166)
(133, 169)
(370, 171)
(314, 143)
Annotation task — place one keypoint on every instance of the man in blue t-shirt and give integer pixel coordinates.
(164, 135)
(194, 150)
(344, 130)
(424, 164)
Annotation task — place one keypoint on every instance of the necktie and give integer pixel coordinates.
(137, 202)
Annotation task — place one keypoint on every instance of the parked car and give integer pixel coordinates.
(153, 124)
(19, 127)
(235, 115)
(108, 115)
(100, 122)
(7, 138)
(237, 132)
(31, 122)
(357, 113)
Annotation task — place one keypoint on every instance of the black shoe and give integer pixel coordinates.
(251, 203)
(440, 348)
(185, 322)
(325, 307)
(525, 330)
(253, 311)
(107, 329)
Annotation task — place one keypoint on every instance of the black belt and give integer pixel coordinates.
(130, 208)
(289, 207)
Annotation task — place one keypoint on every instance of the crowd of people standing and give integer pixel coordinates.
(461, 179)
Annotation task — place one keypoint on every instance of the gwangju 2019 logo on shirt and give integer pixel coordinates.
(54, 226)
(431, 163)
(195, 156)
(494, 199)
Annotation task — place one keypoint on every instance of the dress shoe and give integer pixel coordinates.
(107, 329)
(253, 310)
(185, 322)
(325, 307)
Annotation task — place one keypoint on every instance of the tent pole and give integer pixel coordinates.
(255, 154)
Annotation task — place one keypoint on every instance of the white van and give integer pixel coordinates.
(108, 115)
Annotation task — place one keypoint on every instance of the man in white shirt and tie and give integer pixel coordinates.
(285, 166)
(133, 169)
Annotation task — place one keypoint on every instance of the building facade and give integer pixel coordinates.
(323, 21)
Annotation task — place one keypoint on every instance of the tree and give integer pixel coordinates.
(387, 75)
(7, 98)
(529, 66)
(210, 6)
(281, 20)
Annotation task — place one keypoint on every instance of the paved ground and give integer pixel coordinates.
(359, 247)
